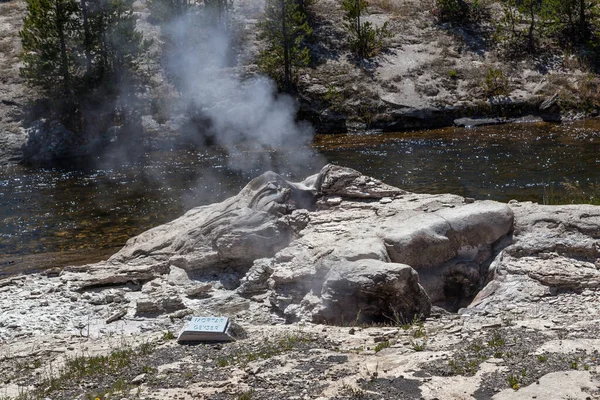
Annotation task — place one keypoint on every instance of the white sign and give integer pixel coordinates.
(208, 324)
(206, 329)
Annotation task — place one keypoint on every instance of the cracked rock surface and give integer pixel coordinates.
(352, 264)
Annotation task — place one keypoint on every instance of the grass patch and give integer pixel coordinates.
(419, 345)
(572, 193)
(382, 345)
(497, 340)
(268, 349)
(168, 335)
(85, 368)
(513, 382)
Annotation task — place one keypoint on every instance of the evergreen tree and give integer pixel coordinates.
(50, 40)
(121, 46)
(366, 40)
(90, 47)
(218, 12)
(517, 13)
(530, 8)
(571, 19)
(284, 29)
(165, 11)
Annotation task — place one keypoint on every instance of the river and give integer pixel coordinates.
(84, 211)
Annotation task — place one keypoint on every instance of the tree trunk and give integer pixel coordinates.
(103, 46)
(287, 74)
(582, 21)
(87, 38)
(64, 61)
(358, 30)
(531, 41)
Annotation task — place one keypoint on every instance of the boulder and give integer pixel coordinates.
(346, 182)
(554, 249)
(369, 291)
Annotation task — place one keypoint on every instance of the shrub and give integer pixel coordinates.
(452, 11)
(495, 83)
(366, 40)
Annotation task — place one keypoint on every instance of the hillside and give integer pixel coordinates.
(428, 75)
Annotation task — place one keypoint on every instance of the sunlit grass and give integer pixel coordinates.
(572, 193)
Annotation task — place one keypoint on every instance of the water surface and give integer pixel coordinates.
(84, 211)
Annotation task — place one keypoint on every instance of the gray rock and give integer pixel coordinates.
(371, 291)
(475, 122)
(160, 303)
(334, 180)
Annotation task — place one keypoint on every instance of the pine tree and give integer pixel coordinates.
(366, 40)
(218, 12)
(284, 30)
(530, 8)
(517, 13)
(571, 19)
(165, 11)
(121, 46)
(49, 38)
(81, 52)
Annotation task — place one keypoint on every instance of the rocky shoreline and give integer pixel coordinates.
(362, 289)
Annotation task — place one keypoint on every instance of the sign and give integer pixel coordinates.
(206, 329)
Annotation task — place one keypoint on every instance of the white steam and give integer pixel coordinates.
(246, 117)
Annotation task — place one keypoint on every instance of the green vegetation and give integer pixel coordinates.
(78, 369)
(519, 25)
(382, 345)
(82, 55)
(570, 20)
(248, 395)
(572, 193)
(168, 335)
(497, 340)
(284, 30)
(495, 83)
(513, 382)
(167, 10)
(568, 24)
(268, 349)
(419, 345)
(452, 11)
(366, 40)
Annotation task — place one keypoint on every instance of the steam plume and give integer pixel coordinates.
(247, 117)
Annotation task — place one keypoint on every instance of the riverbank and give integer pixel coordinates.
(86, 207)
(344, 288)
(431, 75)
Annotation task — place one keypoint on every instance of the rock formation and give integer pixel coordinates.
(338, 247)
(341, 248)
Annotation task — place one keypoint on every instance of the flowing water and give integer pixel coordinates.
(83, 212)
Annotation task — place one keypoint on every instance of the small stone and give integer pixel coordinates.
(469, 200)
(455, 329)
(351, 331)
(334, 201)
(138, 379)
(385, 200)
